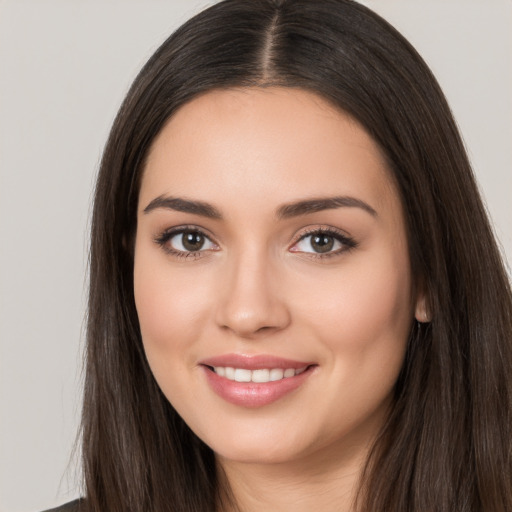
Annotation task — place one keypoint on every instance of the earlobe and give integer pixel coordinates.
(422, 312)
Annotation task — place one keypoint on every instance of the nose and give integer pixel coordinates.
(251, 300)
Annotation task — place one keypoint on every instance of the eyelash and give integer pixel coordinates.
(163, 239)
(347, 243)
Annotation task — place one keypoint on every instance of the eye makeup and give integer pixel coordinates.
(192, 242)
(324, 242)
(189, 242)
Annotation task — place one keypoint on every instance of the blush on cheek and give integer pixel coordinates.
(372, 312)
(385, 290)
(171, 307)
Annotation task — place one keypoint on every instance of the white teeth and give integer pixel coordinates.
(242, 375)
(276, 374)
(262, 375)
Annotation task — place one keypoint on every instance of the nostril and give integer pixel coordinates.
(265, 329)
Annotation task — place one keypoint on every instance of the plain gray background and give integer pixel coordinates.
(64, 68)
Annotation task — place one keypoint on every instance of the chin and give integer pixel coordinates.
(255, 446)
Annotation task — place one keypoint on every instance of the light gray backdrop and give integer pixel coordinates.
(64, 68)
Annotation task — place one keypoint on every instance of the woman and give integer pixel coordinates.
(296, 300)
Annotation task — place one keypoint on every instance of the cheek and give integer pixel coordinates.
(362, 318)
(172, 307)
(380, 299)
(365, 309)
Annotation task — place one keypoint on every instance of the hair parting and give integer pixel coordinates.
(446, 445)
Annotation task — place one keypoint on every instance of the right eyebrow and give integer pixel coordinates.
(322, 203)
(180, 204)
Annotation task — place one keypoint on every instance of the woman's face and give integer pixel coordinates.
(272, 278)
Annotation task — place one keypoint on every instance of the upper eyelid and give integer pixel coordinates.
(175, 230)
(299, 235)
(164, 237)
(320, 229)
(342, 237)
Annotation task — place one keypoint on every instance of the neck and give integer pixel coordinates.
(323, 481)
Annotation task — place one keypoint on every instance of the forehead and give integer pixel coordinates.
(280, 142)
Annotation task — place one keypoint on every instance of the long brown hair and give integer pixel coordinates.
(447, 443)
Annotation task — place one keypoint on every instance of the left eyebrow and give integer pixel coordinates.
(184, 205)
(322, 203)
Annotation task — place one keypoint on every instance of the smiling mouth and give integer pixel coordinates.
(255, 387)
(261, 375)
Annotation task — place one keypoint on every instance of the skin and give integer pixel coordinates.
(254, 288)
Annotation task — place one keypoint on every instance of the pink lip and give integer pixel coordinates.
(252, 394)
(257, 362)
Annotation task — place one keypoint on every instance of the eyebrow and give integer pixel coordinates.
(286, 211)
(184, 205)
(322, 203)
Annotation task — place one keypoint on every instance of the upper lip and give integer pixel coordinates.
(253, 362)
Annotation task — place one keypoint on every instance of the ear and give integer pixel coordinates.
(422, 311)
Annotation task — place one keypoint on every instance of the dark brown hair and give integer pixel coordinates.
(447, 443)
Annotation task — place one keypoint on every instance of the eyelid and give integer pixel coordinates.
(167, 234)
(348, 243)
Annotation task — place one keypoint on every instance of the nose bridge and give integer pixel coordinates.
(250, 302)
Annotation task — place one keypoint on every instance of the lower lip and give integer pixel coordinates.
(254, 394)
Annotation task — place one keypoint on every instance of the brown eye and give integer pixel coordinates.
(187, 241)
(322, 243)
(192, 240)
(319, 243)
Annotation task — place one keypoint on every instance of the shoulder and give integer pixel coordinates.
(72, 506)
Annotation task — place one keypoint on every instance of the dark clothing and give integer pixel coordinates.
(72, 506)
